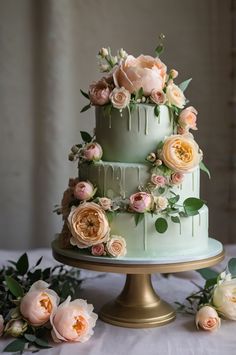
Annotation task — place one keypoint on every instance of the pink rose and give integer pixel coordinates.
(99, 92)
(116, 246)
(105, 203)
(98, 249)
(158, 97)
(39, 303)
(141, 202)
(73, 321)
(188, 118)
(143, 72)
(175, 96)
(1, 325)
(158, 180)
(177, 178)
(92, 152)
(120, 98)
(207, 318)
(84, 190)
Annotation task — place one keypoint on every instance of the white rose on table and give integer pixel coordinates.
(224, 298)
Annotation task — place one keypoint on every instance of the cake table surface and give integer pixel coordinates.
(177, 338)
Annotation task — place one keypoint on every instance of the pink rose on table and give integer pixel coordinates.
(99, 92)
(84, 190)
(175, 96)
(141, 202)
(158, 180)
(181, 153)
(88, 225)
(177, 178)
(187, 118)
(120, 98)
(158, 96)
(98, 249)
(39, 303)
(73, 321)
(105, 203)
(1, 324)
(116, 246)
(92, 152)
(143, 72)
(207, 319)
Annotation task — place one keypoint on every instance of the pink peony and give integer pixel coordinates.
(141, 202)
(188, 118)
(84, 190)
(158, 97)
(120, 98)
(98, 249)
(99, 92)
(158, 180)
(143, 72)
(92, 152)
(177, 178)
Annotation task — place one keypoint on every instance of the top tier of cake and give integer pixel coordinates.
(129, 137)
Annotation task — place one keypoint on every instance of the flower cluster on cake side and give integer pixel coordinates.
(129, 82)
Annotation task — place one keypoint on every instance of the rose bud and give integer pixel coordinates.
(103, 52)
(92, 152)
(224, 297)
(122, 53)
(173, 73)
(158, 162)
(1, 324)
(207, 319)
(16, 328)
(71, 156)
(84, 190)
(75, 149)
(141, 202)
(151, 157)
(73, 321)
(38, 304)
(98, 249)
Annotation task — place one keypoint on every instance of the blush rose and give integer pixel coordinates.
(207, 319)
(141, 202)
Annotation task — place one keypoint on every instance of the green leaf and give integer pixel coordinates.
(161, 190)
(211, 282)
(138, 217)
(139, 94)
(175, 219)
(15, 346)
(42, 343)
(14, 287)
(183, 86)
(22, 264)
(205, 169)
(174, 199)
(157, 110)
(160, 145)
(85, 94)
(232, 266)
(159, 49)
(38, 262)
(85, 108)
(192, 205)
(161, 225)
(85, 136)
(30, 337)
(207, 273)
(110, 216)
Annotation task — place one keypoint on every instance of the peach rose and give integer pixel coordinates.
(177, 178)
(98, 249)
(105, 203)
(116, 246)
(207, 319)
(84, 190)
(181, 153)
(141, 202)
(39, 303)
(120, 98)
(143, 72)
(73, 321)
(187, 118)
(161, 203)
(99, 92)
(158, 180)
(158, 96)
(92, 152)
(175, 96)
(1, 325)
(88, 225)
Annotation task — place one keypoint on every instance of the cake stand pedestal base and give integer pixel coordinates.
(138, 306)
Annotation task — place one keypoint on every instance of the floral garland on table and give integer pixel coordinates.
(215, 301)
(32, 311)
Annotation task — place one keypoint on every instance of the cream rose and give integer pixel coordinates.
(116, 246)
(38, 304)
(120, 98)
(161, 203)
(143, 72)
(224, 298)
(88, 225)
(187, 118)
(105, 203)
(16, 327)
(207, 319)
(73, 321)
(175, 96)
(181, 153)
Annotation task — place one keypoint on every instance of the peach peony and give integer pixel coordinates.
(88, 225)
(99, 92)
(116, 246)
(143, 72)
(120, 98)
(207, 319)
(84, 190)
(187, 118)
(175, 96)
(181, 153)
(73, 321)
(39, 303)
(141, 202)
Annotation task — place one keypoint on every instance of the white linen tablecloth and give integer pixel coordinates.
(177, 338)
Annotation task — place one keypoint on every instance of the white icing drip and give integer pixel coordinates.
(109, 121)
(139, 171)
(123, 181)
(113, 173)
(159, 118)
(139, 119)
(99, 174)
(105, 180)
(192, 226)
(146, 121)
(180, 229)
(145, 233)
(129, 119)
(193, 181)
(181, 186)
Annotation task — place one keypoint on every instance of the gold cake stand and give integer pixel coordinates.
(138, 305)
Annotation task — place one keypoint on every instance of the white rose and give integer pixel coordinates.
(224, 298)
(161, 203)
(175, 96)
(120, 98)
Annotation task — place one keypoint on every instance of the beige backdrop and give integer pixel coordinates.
(48, 50)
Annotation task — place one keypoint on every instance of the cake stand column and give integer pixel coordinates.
(138, 305)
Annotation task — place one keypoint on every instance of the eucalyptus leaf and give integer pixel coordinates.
(157, 110)
(139, 94)
(14, 287)
(183, 86)
(85, 108)
(85, 94)
(15, 346)
(39, 261)
(173, 200)
(161, 225)
(205, 169)
(192, 205)
(42, 343)
(208, 274)
(85, 136)
(175, 219)
(138, 217)
(232, 266)
(22, 264)
(30, 337)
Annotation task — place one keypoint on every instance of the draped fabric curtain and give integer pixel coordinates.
(48, 52)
